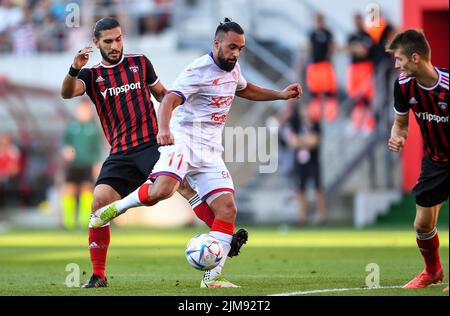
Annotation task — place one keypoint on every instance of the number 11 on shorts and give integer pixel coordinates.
(172, 157)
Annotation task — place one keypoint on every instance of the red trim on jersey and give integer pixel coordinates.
(403, 88)
(98, 108)
(144, 127)
(152, 116)
(432, 148)
(121, 117)
(129, 103)
(112, 142)
(429, 125)
(442, 134)
(148, 95)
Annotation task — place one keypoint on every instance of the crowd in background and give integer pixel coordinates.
(368, 73)
(33, 26)
(28, 27)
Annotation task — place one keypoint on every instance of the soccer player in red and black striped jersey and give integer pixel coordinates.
(120, 87)
(423, 89)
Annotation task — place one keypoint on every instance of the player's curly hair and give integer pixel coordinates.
(410, 42)
(227, 25)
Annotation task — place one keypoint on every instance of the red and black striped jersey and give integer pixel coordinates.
(430, 106)
(122, 98)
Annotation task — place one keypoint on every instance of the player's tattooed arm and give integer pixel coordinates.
(399, 133)
(256, 93)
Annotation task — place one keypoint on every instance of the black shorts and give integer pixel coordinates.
(432, 187)
(126, 171)
(307, 172)
(78, 174)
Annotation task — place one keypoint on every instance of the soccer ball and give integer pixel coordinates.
(204, 252)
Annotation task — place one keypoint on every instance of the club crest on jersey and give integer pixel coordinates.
(134, 68)
(443, 105)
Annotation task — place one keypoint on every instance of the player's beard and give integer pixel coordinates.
(110, 60)
(225, 64)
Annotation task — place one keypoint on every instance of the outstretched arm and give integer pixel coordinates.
(399, 133)
(168, 104)
(256, 93)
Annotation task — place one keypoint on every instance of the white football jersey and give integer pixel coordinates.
(207, 93)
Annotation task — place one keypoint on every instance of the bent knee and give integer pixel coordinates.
(423, 228)
(99, 203)
(227, 211)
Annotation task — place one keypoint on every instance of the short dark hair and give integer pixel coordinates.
(227, 25)
(104, 24)
(410, 42)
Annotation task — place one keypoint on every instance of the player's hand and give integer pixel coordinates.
(82, 57)
(165, 137)
(293, 91)
(396, 143)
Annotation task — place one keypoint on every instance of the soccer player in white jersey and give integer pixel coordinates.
(192, 141)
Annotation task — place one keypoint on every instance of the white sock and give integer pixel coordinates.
(107, 224)
(225, 240)
(131, 200)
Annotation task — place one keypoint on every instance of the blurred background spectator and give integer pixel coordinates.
(360, 76)
(33, 26)
(303, 136)
(320, 75)
(24, 35)
(82, 152)
(9, 169)
(157, 16)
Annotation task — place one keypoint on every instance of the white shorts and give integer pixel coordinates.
(207, 174)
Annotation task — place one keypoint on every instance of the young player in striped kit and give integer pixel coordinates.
(423, 89)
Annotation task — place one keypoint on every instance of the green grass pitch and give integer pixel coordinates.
(274, 261)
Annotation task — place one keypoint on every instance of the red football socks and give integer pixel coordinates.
(429, 249)
(223, 227)
(204, 212)
(98, 248)
(144, 197)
